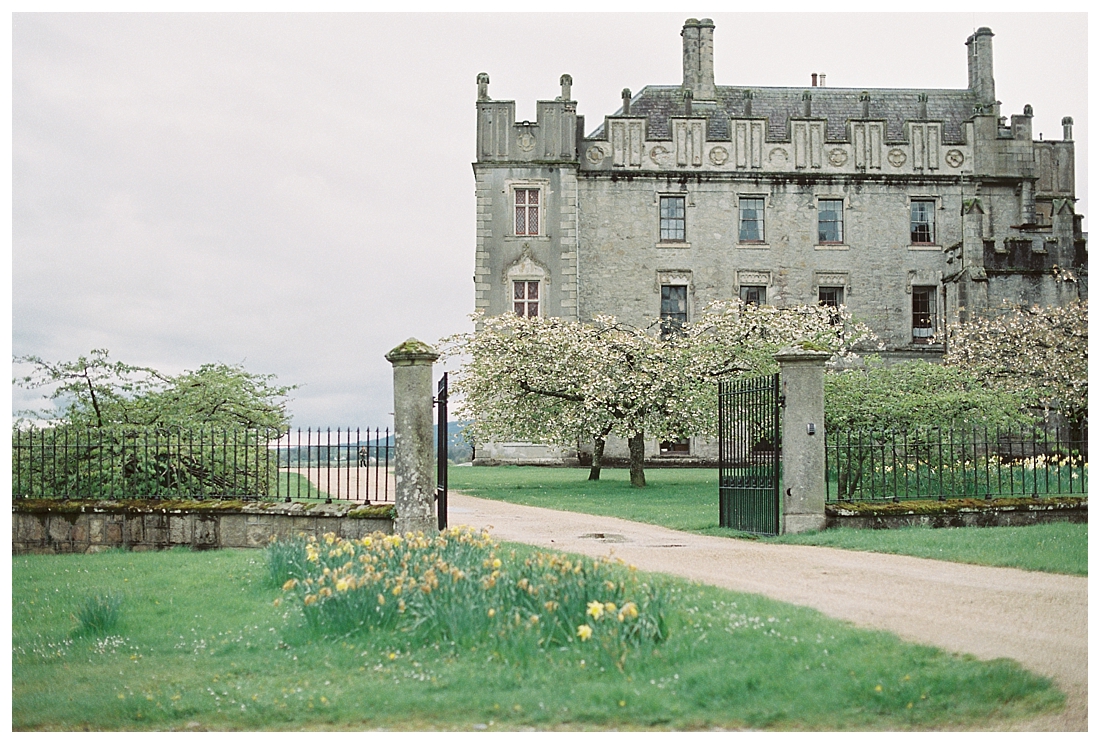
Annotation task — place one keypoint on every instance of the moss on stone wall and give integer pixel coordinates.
(953, 506)
(376, 511)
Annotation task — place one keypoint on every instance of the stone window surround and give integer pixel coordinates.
(543, 186)
(937, 244)
(816, 206)
(675, 278)
(841, 279)
(527, 269)
(755, 278)
(689, 203)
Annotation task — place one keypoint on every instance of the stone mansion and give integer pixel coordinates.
(911, 207)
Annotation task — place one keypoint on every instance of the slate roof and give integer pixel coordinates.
(836, 105)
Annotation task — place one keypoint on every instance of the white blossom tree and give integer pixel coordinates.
(556, 381)
(1039, 352)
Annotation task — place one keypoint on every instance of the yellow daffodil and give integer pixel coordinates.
(595, 609)
(492, 612)
(310, 599)
(343, 584)
(290, 585)
(610, 607)
(496, 563)
(584, 632)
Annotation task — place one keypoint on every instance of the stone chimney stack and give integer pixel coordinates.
(566, 82)
(1067, 128)
(980, 66)
(626, 101)
(699, 58)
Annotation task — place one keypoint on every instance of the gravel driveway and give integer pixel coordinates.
(1038, 619)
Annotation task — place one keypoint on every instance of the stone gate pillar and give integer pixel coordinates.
(414, 469)
(802, 380)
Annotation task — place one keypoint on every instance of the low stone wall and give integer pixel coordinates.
(88, 527)
(958, 513)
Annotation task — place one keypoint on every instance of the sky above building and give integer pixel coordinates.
(294, 192)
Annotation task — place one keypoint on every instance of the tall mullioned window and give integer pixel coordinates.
(752, 220)
(525, 299)
(922, 222)
(527, 211)
(830, 221)
(673, 219)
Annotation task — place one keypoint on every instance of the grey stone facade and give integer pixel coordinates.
(911, 207)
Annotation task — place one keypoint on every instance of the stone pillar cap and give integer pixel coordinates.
(411, 352)
(803, 353)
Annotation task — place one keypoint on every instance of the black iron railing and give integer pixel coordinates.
(932, 463)
(336, 465)
(149, 462)
(70, 462)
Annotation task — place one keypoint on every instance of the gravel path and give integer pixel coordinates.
(1038, 619)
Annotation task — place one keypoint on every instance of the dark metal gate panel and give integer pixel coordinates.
(441, 452)
(748, 454)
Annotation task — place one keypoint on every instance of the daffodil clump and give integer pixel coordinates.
(458, 586)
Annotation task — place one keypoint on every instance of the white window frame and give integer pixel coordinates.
(682, 241)
(526, 301)
(762, 219)
(817, 221)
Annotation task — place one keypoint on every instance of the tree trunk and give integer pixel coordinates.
(597, 459)
(637, 455)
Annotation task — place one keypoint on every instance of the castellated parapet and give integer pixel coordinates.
(912, 207)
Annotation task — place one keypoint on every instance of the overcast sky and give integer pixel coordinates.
(294, 192)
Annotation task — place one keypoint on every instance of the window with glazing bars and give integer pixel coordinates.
(924, 314)
(752, 220)
(830, 296)
(673, 307)
(754, 295)
(673, 227)
(830, 221)
(525, 299)
(922, 222)
(527, 211)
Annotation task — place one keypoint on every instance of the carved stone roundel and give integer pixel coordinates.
(657, 153)
(526, 142)
(837, 156)
(719, 155)
(778, 154)
(594, 154)
(896, 157)
(954, 158)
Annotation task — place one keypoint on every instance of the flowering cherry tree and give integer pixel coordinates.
(557, 381)
(1039, 352)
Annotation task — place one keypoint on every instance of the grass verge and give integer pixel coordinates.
(687, 499)
(199, 644)
(1058, 547)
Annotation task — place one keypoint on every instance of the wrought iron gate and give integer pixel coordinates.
(748, 454)
(441, 452)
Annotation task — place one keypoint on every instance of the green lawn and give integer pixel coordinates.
(201, 645)
(687, 499)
